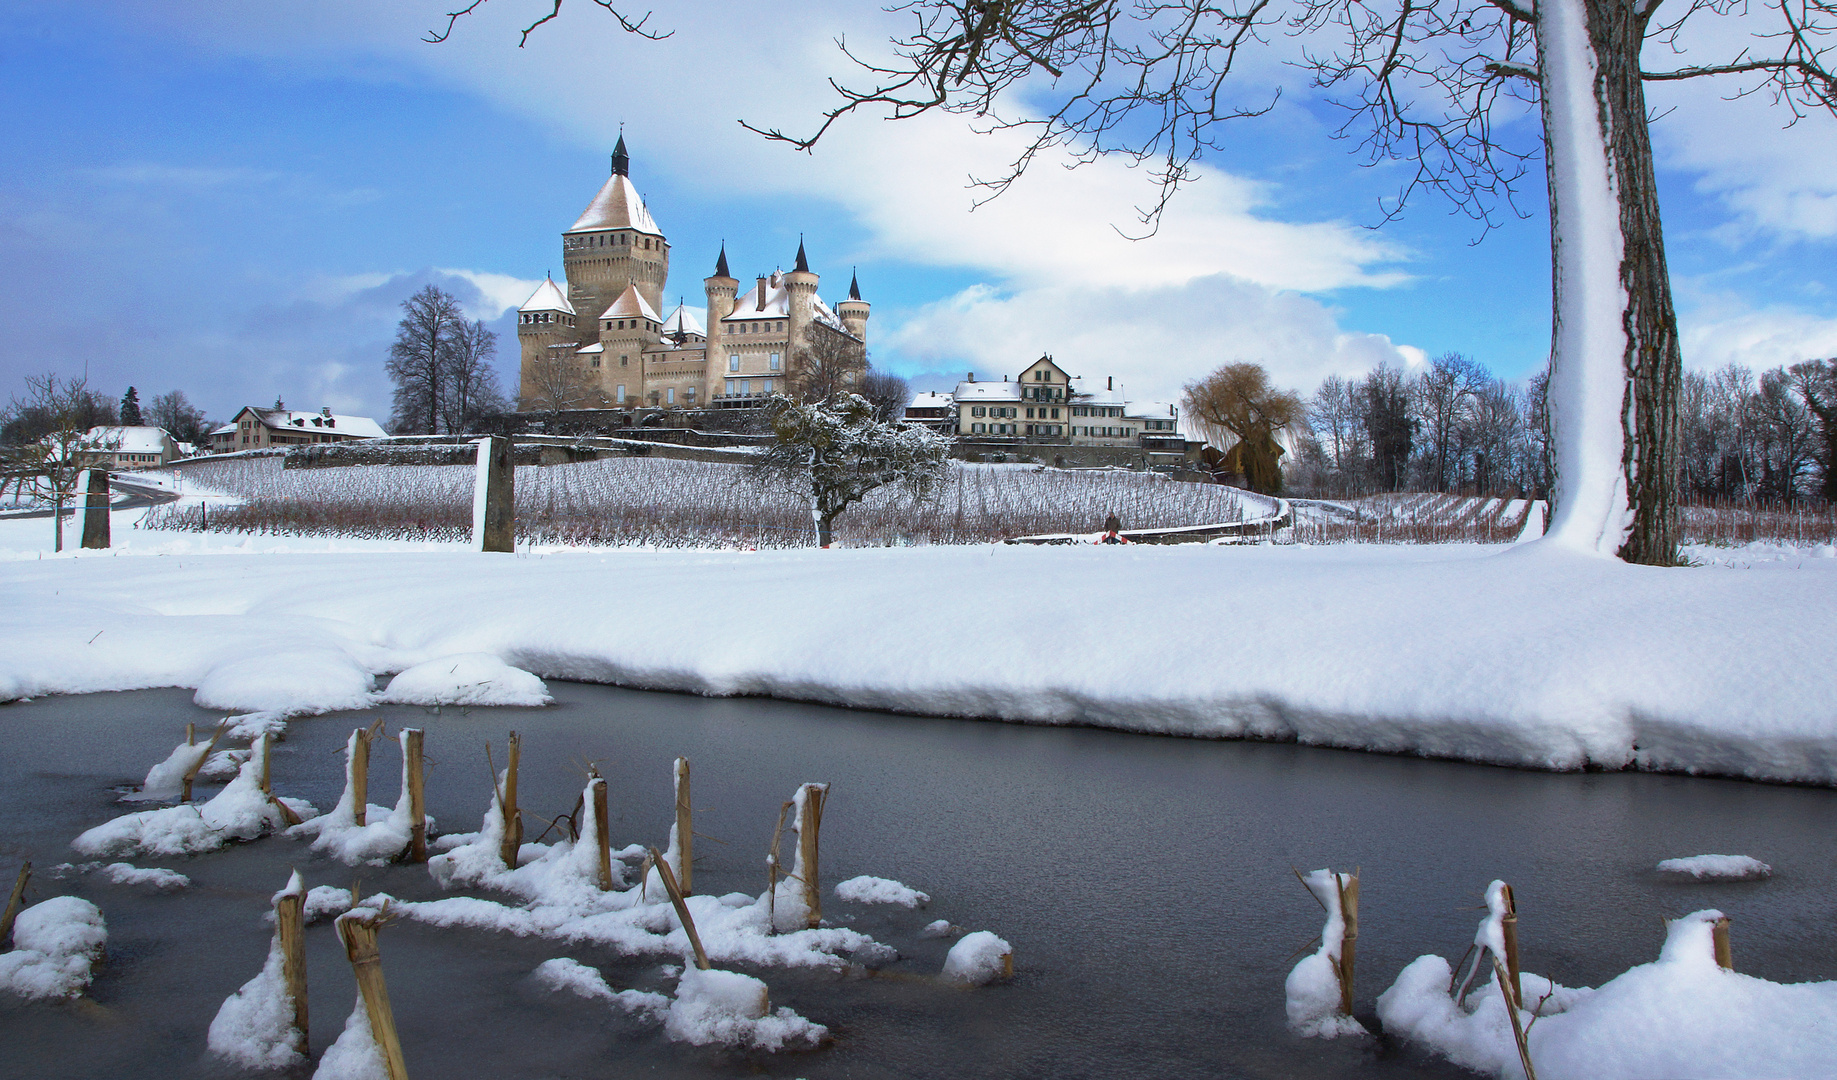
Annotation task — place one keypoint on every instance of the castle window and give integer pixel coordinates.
(672, 395)
(768, 386)
(596, 361)
(733, 363)
(623, 360)
(689, 395)
(774, 361)
(619, 393)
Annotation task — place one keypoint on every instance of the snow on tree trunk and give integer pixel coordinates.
(1615, 362)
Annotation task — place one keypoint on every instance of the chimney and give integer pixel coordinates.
(1110, 383)
(972, 376)
(325, 410)
(761, 302)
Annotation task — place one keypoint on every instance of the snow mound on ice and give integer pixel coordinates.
(385, 832)
(254, 1026)
(466, 679)
(978, 959)
(166, 781)
(1312, 989)
(128, 874)
(730, 1009)
(356, 1055)
(1718, 868)
(940, 928)
(325, 900)
(54, 944)
(566, 975)
(1681, 1015)
(300, 681)
(879, 890)
(241, 811)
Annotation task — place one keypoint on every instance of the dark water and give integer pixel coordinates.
(1144, 882)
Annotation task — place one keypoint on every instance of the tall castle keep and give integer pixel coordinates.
(602, 344)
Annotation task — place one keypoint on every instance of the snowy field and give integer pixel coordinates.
(1524, 656)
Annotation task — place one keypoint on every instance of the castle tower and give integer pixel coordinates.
(853, 311)
(722, 289)
(800, 284)
(545, 322)
(627, 327)
(615, 243)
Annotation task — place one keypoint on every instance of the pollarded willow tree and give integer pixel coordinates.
(1435, 82)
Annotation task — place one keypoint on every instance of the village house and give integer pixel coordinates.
(1046, 404)
(254, 428)
(133, 447)
(932, 410)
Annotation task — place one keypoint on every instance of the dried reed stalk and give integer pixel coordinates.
(191, 774)
(290, 928)
(360, 772)
(685, 826)
(682, 908)
(1348, 888)
(1508, 926)
(13, 904)
(811, 823)
(598, 784)
(1511, 1010)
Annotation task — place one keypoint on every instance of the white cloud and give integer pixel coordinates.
(1725, 330)
(497, 293)
(1152, 340)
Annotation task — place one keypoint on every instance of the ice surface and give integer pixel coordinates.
(1718, 867)
(55, 943)
(1312, 989)
(466, 679)
(1681, 1015)
(979, 958)
(241, 811)
(877, 890)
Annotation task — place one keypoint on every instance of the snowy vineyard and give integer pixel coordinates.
(668, 503)
(1419, 518)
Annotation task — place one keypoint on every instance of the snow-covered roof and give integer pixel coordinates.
(930, 400)
(1150, 410)
(631, 304)
(1095, 394)
(988, 391)
(131, 440)
(357, 427)
(596, 347)
(683, 319)
(547, 297)
(617, 206)
(777, 301)
(227, 429)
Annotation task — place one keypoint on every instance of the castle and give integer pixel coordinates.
(602, 343)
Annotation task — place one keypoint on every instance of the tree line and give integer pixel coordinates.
(52, 403)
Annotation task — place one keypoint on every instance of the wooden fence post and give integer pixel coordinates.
(412, 739)
(1348, 887)
(360, 773)
(494, 515)
(358, 929)
(95, 508)
(290, 928)
(512, 841)
(685, 826)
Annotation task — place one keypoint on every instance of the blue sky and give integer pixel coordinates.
(233, 200)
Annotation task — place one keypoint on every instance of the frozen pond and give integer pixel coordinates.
(1144, 882)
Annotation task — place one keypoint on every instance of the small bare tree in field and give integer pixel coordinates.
(555, 382)
(66, 410)
(829, 365)
(837, 452)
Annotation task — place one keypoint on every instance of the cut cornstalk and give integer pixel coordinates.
(512, 842)
(192, 773)
(685, 823)
(263, 746)
(1348, 888)
(360, 773)
(598, 784)
(13, 904)
(1508, 926)
(810, 822)
(772, 870)
(290, 930)
(412, 741)
(1511, 1010)
(682, 908)
(357, 929)
(1719, 934)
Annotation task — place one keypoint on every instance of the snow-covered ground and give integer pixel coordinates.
(1523, 655)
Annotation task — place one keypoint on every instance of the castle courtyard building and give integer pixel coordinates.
(600, 340)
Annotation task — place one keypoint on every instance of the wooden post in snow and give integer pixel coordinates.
(494, 512)
(1348, 886)
(810, 822)
(417, 801)
(13, 904)
(360, 772)
(685, 823)
(358, 929)
(95, 508)
(1719, 935)
(290, 929)
(507, 807)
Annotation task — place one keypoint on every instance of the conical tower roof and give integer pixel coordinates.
(631, 305)
(547, 297)
(803, 264)
(854, 286)
(618, 205)
(720, 264)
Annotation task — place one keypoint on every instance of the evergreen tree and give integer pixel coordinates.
(130, 409)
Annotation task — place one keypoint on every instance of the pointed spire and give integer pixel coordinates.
(720, 264)
(621, 161)
(854, 285)
(803, 264)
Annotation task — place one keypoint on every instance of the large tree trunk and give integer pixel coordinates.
(1615, 366)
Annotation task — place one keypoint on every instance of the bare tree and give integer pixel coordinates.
(470, 379)
(420, 357)
(175, 413)
(556, 381)
(827, 365)
(835, 451)
(1815, 381)
(67, 412)
(888, 393)
(1444, 395)
(1238, 408)
(1384, 400)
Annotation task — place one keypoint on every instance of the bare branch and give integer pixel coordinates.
(452, 17)
(1515, 10)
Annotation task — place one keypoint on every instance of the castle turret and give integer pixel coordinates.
(614, 244)
(545, 322)
(800, 287)
(721, 288)
(854, 310)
